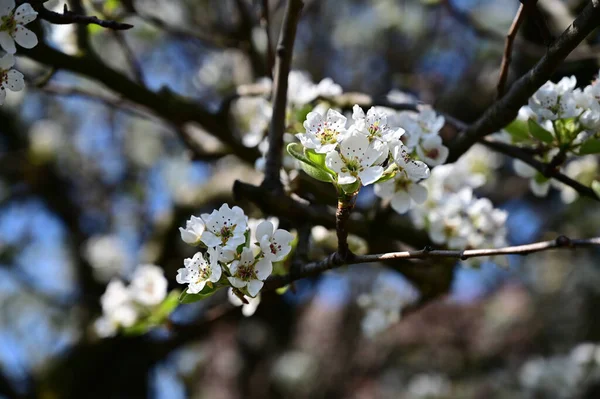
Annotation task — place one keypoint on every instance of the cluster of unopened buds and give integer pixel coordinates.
(12, 29)
(232, 257)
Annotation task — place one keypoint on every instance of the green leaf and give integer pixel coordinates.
(311, 168)
(518, 130)
(317, 159)
(351, 188)
(191, 298)
(567, 129)
(539, 132)
(166, 307)
(591, 146)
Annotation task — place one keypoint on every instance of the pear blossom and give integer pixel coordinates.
(275, 244)
(449, 230)
(106, 255)
(555, 100)
(12, 27)
(402, 192)
(425, 123)
(585, 100)
(249, 272)
(9, 78)
(323, 134)
(225, 228)
(356, 159)
(374, 125)
(194, 228)
(538, 184)
(431, 151)
(249, 308)
(302, 90)
(198, 271)
(118, 309)
(412, 169)
(148, 285)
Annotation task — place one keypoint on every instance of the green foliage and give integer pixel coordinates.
(314, 168)
(539, 132)
(518, 130)
(590, 146)
(157, 316)
(207, 291)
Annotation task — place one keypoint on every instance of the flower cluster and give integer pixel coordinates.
(370, 150)
(454, 217)
(12, 29)
(232, 257)
(560, 120)
(123, 306)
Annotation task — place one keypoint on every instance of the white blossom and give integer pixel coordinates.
(412, 169)
(225, 228)
(148, 285)
(323, 134)
(402, 192)
(431, 150)
(249, 308)
(9, 78)
(199, 271)
(356, 159)
(538, 184)
(118, 309)
(249, 272)
(194, 228)
(275, 244)
(12, 27)
(106, 255)
(555, 100)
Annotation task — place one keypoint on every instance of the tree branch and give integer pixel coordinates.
(283, 63)
(505, 109)
(541, 167)
(70, 17)
(332, 262)
(510, 38)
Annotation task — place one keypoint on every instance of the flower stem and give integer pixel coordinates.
(345, 206)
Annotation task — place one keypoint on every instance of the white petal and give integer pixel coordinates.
(210, 239)
(401, 202)
(196, 286)
(370, 175)
(24, 37)
(334, 161)
(215, 273)
(418, 193)
(254, 287)
(182, 276)
(25, 14)
(264, 229)
(263, 269)
(357, 112)
(6, 7)
(346, 178)
(187, 237)
(236, 282)
(7, 43)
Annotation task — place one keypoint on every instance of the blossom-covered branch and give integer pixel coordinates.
(332, 261)
(505, 109)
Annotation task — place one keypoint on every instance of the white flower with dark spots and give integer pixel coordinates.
(374, 125)
(275, 244)
(555, 100)
(225, 228)
(412, 169)
(9, 78)
(194, 228)
(356, 159)
(249, 272)
(323, 134)
(12, 27)
(198, 271)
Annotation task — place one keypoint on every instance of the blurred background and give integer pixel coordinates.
(92, 185)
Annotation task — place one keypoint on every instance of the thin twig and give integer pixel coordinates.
(69, 17)
(508, 45)
(541, 167)
(332, 262)
(505, 109)
(265, 21)
(282, 69)
(342, 215)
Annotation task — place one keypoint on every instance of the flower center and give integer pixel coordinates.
(226, 233)
(353, 166)
(327, 135)
(433, 153)
(274, 248)
(8, 23)
(246, 272)
(401, 184)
